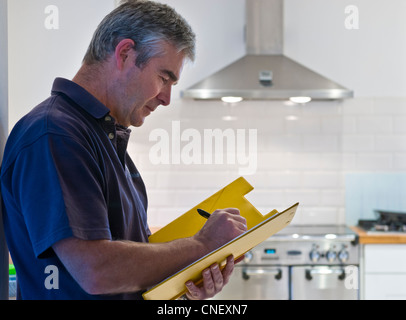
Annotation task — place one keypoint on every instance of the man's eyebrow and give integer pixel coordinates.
(171, 75)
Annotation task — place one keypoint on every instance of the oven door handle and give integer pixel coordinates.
(340, 272)
(248, 272)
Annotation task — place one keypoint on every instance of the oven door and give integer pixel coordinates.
(324, 283)
(257, 283)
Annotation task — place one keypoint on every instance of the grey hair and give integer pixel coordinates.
(147, 23)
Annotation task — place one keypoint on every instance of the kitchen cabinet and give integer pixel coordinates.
(384, 271)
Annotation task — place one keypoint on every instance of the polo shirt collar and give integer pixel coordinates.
(82, 97)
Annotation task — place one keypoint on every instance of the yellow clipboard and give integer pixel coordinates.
(231, 196)
(260, 228)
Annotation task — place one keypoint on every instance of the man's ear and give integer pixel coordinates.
(123, 49)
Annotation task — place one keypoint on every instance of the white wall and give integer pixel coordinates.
(371, 60)
(38, 54)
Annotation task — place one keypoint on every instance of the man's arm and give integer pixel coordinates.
(108, 267)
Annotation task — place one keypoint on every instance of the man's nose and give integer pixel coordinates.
(165, 95)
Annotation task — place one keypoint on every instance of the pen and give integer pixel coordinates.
(203, 213)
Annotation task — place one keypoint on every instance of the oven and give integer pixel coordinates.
(299, 263)
(250, 282)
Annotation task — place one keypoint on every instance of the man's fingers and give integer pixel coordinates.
(238, 260)
(194, 292)
(234, 214)
(217, 276)
(232, 210)
(208, 282)
(214, 279)
(228, 270)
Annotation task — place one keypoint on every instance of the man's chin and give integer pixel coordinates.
(139, 122)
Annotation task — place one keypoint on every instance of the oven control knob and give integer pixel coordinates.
(331, 255)
(314, 255)
(343, 255)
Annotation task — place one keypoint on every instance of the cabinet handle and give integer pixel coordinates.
(247, 273)
(340, 272)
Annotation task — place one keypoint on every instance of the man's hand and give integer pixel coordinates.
(214, 280)
(222, 226)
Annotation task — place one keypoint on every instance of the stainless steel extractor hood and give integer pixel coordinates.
(265, 73)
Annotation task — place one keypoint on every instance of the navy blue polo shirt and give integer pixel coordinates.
(66, 172)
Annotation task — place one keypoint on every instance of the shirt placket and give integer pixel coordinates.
(109, 128)
(118, 141)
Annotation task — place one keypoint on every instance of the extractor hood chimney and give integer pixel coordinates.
(264, 73)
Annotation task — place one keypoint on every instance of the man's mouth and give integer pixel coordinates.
(150, 109)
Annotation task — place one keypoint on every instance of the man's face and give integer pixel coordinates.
(140, 91)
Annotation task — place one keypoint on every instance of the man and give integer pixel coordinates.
(74, 203)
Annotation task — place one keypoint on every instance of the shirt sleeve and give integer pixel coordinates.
(59, 187)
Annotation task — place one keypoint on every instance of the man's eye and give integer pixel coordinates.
(164, 80)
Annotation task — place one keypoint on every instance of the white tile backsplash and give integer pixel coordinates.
(357, 143)
(303, 160)
(373, 162)
(374, 124)
(399, 161)
(399, 124)
(390, 143)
